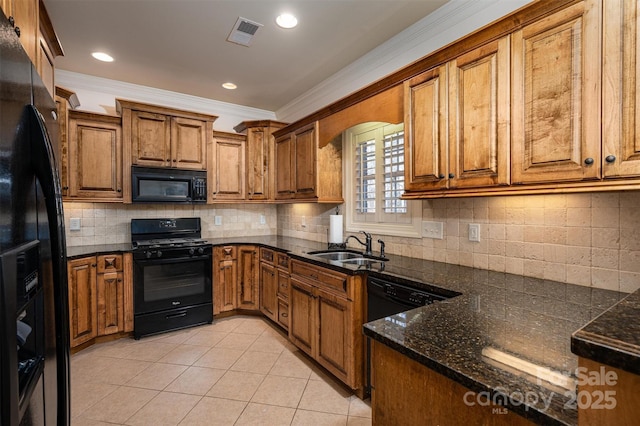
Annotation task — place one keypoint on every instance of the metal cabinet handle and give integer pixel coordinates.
(441, 176)
(12, 21)
(588, 161)
(119, 190)
(610, 158)
(284, 315)
(451, 175)
(17, 30)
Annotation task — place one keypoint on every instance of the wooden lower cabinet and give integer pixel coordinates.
(268, 291)
(100, 296)
(405, 392)
(325, 320)
(225, 277)
(248, 277)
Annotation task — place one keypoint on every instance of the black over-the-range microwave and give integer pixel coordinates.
(156, 185)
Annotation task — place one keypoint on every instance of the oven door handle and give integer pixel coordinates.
(164, 260)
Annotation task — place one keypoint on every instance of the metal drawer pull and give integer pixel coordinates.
(178, 315)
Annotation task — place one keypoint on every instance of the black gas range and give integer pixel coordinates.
(172, 277)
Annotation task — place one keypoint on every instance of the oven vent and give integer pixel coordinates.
(243, 31)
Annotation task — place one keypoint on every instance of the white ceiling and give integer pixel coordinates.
(180, 45)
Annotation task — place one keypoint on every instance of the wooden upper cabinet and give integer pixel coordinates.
(621, 97)
(226, 171)
(49, 48)
(479, 117)
(555, 100)
(188, 143)
(150, 139)
(260, 158)
(24, 14)
(94, 157)
(306, 169)
(425, 127)
(285, 167)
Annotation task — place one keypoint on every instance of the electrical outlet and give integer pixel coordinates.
(263, 219)
(217, 220)
(433, 230)
(74, 224)
(474, 232)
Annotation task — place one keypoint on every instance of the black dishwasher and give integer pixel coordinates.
(386, 298)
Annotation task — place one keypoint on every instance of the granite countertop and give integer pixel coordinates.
(529, 318)
(614, 337)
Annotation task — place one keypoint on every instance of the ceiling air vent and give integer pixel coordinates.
(243, 31)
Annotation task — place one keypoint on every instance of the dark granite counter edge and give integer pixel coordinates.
(524, 410)
(620, 350)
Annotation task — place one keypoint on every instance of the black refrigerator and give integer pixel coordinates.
(34, 337)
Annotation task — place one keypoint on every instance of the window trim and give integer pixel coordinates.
(411, 229)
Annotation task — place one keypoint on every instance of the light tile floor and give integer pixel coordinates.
(239, 370)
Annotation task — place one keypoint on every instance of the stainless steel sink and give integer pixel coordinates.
(336, 255)
(347, 256)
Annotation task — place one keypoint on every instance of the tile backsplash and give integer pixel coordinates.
(103, 223)
(590, 239)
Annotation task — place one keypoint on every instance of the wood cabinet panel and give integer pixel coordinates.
(285, 168)
(258, 163)
(621, 97)
(150, 139)
(425, 98)
(268, 291)
(111, 309)
(556, 96)
(302, 319)
(479, 117)
(225, 279)
(335, 343)
(283, 314)
(226, 172)
(188, 143)
(305, 152)
(95, 156)
(83, 316)
(248, 277)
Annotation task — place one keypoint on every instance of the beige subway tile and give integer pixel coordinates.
(555, 235)
(497, 247)
(555, 253)
(534, 216)
(629, 218)
(630, 199)
(579, 237)
(630, 261)
(514, 232)
(555, 216)
(579, 216)
(533, 234)
(514, 249)
(497, 263)
(605, 237)
(514, 265)
(453, 257)
(605, 258)
(555, 271)
(497, 214)
(453, 243)
(629, 281)
(533, 268)
(466, 215)
(466, 259)
(452, 227)
(630, 239)
(534, 251)
(480, 260)
(605, 217)
(605, 199)
(608, 279)
(497, 231)
(514, 216)
(578, 256)
(555, 201)
(579, 200)
(580, 275)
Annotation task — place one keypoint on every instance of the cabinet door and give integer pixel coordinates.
(257, 163)
(425, 127)
(479, 117)
(335, 343)
(284, 167)
(150, 139)
(25, 15)
(225, 279)
(226, 169)
(95, 159)
(556, 96)
(188, 143)
(283, 313)
(621, 95)
(268, 291)
(110, 292)
(302, 316)
(83, 324)
(305, 152)
(248, 276)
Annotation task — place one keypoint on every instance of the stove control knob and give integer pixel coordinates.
(192, 251)
(147, 254)
(200, 250)
(159, 253)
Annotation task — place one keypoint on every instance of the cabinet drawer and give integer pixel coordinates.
(320, 276)
(228, 253)
(282, 261)
(266, 255)
(109, 263)
(283, 314)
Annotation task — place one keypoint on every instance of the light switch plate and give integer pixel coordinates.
(474, 232)
(217, 220)
(75, 223)
(433, 230)
(263, 219)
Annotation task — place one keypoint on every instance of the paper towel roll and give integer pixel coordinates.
(335, 228)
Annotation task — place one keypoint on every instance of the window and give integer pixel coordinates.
(374, 178)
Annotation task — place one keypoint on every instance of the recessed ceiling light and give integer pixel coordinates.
(287, 20)
(101, 56)
(229, 86)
